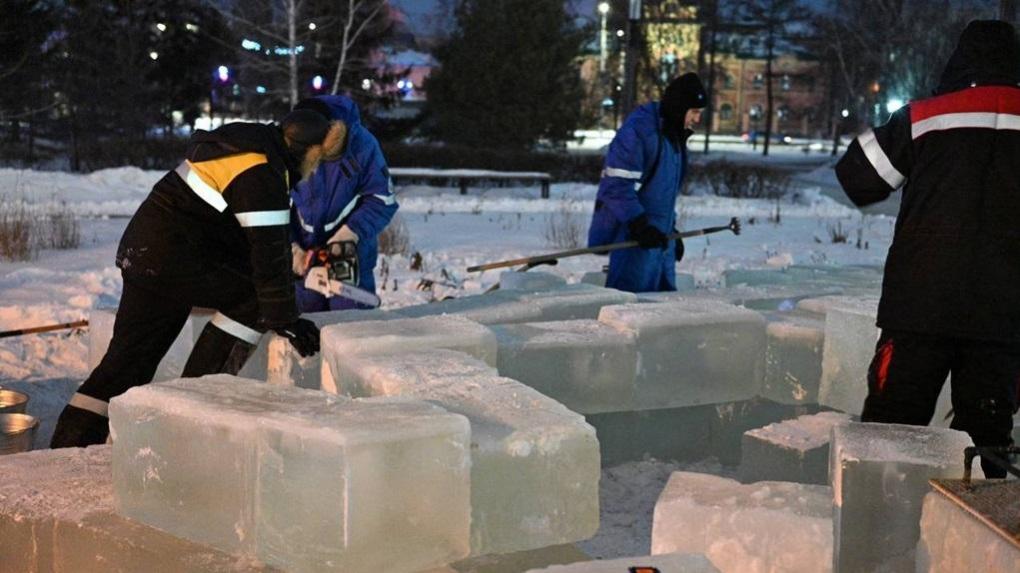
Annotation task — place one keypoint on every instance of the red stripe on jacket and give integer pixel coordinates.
(985, 99)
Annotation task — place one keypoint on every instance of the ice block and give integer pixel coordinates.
(575, 301)
(693, 352)
(530, 281)
(670, 563)
(794, 450)
(585, 365)
(953, 540)
(300, 479)
(766, 526)
(793, 358)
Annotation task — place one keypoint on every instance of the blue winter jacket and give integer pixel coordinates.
(643, 174)
(354, 191)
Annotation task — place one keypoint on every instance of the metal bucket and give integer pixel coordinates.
(12, 402)
(16, 433)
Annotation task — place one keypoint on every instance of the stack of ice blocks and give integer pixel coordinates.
(530, 281)
(767, 526)
(952, 539)
(793, 358)
(880, 476)
(341, 342)
(585, 365)
(793, 450)
(692, 352)
(57, 514)
(302, 480)
(285, 367)
(535, 464)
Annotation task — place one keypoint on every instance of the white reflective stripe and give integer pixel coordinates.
(622, 173)
(201, 188)
(263, 218)
(236, 329)
(94, 405)
(966, 120)
(343, 214)
(879, 160)
(386, 199)
(301, 220)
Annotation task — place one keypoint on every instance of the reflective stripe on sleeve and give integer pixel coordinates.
(236, 329)
(88, 403)
(205, 191)
(343, 214)
(263, 218)
(621, 173)
(879, 160)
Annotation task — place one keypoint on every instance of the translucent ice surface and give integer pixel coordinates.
(498, 307)
(300, 479)
(343, 342)
(692, 352)
(575, 301)
(793, 358)
(880, 476)
(794, 450)
(57, 514)
(530, 281)
(535, 464)
(756, 528)
(671, 563)
(953, 540)
(585, 365)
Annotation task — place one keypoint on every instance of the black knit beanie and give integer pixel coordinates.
(303, 128)
(682, 94)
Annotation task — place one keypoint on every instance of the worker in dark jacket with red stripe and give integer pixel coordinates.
(951, 293)
(213, 233)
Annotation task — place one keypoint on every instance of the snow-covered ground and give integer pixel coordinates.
(450, 232)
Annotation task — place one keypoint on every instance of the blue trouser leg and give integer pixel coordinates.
(642, 270)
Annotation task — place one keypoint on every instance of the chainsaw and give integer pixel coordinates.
(335, 271)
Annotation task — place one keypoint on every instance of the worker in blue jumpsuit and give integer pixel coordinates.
(643, 175)
(347, 201)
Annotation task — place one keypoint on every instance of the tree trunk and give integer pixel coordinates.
(769, 112)
(344, 46)
(292, 45)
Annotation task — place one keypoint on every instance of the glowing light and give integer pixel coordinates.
(894, 104)
(311, 26)
(317, 82)
(191, 27)
(223, 73)
(161, 27)
(603, 8)
(286, 51)
(260, 89)
(366, 84)
(410, 85)
(153, 56)
(845, 113)
(251, 45)
(619, 33)
(401, 84)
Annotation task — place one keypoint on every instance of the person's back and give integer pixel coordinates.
(950, 297)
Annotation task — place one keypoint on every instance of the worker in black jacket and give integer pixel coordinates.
(213, 233)
(951, 293)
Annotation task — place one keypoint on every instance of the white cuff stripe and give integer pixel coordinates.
(236, 329)
(88, 403)
(201, 188)
(388, 199)
(263, 218)
(977, 120)
(343, 214)
(622, 173)
(879, 160)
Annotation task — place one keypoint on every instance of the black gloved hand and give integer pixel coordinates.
(647, 236)
(303, 335)
(679, 249)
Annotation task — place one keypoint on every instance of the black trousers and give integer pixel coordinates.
(152, 312)
(909, 370)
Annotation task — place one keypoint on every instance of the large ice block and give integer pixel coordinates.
(285, 367)
(101, 332)
(693, 352)
(754, 277)
(766, 526)
(575, 301)
(300, 479)
(953, 540)
(585, 365)
(57, 514)
(794, 450)
(535, 464)
(793, 358)
(343, 342)
(850, 338)
(530, 281)
(670, 563)
(498, 307)
(879, 476)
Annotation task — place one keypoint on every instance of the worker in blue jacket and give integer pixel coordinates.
(348, 201)
(643, 174)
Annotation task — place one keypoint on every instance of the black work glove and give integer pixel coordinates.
(647, 236)
(303, 336)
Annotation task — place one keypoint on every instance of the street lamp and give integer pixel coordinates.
(603, 35)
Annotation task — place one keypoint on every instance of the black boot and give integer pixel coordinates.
(79, 428)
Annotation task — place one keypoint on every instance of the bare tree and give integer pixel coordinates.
(367, 11)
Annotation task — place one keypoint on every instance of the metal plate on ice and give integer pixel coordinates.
(996, 503)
